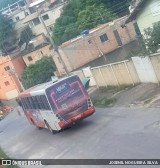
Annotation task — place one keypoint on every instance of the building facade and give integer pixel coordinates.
(145, 12)
(38, 14)
(10, 73)
(32, 56)
(41, 22)
(98, 42)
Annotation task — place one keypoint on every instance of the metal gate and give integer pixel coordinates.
(144, 69)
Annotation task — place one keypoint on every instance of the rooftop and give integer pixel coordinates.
(30, 17)
(40, 89)
(36, 3)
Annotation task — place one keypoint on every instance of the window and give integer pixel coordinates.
(45, 17)
(17, 18)
(35, 102)
(40, 53)
(30, 102)
(104, 38)
(44, 102)
(36, 21)
(90, 41)
(6, 83)
(7, 68)
(25, 103)
(30, 58)
(50, 28)
(26, 13)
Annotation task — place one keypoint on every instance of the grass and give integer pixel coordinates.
(4, 156)
(148, 101)
(114, 88)
(105, 102)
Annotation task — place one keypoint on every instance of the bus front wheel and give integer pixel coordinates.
(50, 129)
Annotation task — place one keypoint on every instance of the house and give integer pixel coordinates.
(43, 22)
(40, 15)
(16, 13)
(94, 44)
(145, 12)
(38, 48)
(10, 73)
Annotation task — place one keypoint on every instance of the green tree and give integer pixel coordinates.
(5, 3)
(93, 16)
(79, 15)
(26, 35)
(152, 38)
(6, 31)
(39, 72)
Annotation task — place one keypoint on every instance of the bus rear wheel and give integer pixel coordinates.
(50, 129)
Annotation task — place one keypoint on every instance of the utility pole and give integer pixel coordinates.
(54, 45)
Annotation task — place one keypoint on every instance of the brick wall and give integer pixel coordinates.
(101, 40)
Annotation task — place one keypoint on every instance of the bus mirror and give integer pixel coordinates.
(85, 82)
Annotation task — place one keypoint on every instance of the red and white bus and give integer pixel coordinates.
(56, 105)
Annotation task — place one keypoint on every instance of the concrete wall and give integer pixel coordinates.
(120, 73)
(148, 15)
(12, 88)
(155, 60)
(129, 72)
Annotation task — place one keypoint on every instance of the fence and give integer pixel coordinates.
(116, 74)
(138, 70)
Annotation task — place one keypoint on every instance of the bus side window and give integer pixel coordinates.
(30, 103)
(24, 103)
(44, 102)
(35, 103)
(38, 102)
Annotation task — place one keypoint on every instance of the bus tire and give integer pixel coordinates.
(39, 128)
(50, 129)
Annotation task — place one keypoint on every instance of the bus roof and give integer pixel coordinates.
(40, 89)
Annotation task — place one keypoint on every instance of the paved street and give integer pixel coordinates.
(113, 133)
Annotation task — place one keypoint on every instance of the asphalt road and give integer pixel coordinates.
(111, 133)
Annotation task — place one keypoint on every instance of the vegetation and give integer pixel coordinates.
(26, 35)
(6, 32)
(38, 73)
(79, 15)
(4, 156)
(105, 102)
(152, 38)
(5, 3)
